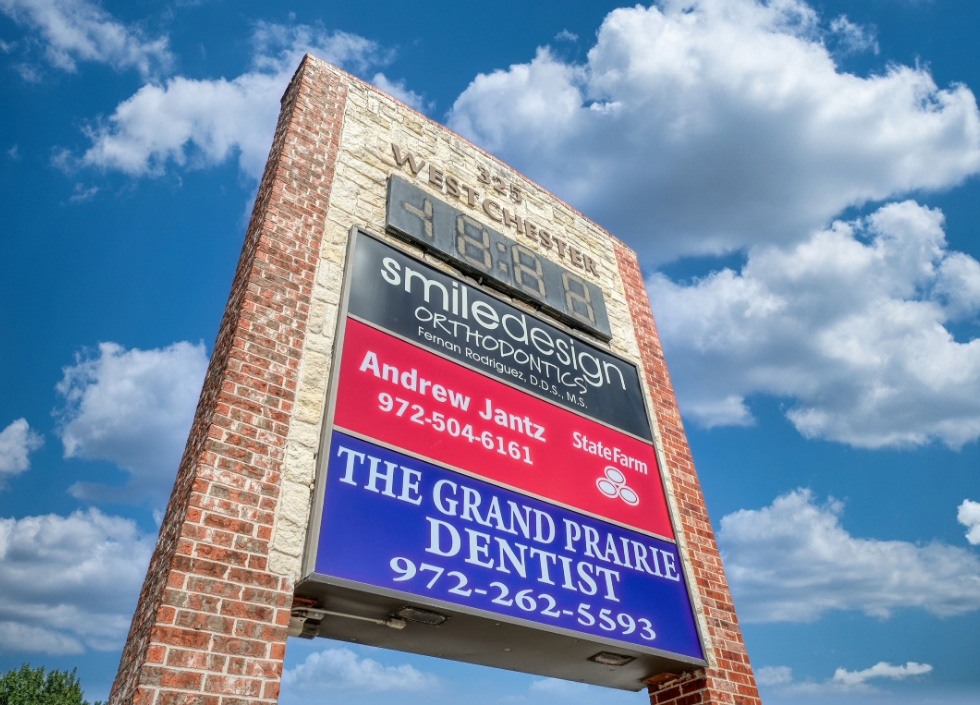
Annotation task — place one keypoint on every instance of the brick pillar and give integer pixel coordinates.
(729, 678)
(210, 626)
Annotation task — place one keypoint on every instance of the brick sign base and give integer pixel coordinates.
(211, 624)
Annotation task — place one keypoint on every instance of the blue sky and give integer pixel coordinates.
(800, 181)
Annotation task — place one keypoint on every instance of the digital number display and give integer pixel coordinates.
(477, 249)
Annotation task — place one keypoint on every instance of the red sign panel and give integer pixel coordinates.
(412, 399)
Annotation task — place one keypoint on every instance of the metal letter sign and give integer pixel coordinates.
(482, 463)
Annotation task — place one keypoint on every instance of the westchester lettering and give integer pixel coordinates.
(459, 190)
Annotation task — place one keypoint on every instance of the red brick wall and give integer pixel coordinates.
(729, 678)
(210, 626)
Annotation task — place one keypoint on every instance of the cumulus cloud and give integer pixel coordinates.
(17, 442)
(843, 680)
(399, 90)
(853, 38)
(342, 669)
(852, 326)
(82, 193)
(774, 675)
(698, 127)
(197, 123)
(279, 47)
(705, 126)
(793, 561)
(70, 31)
(189, 122)
(968, 515)
(858, 679)
(132, 408)
(555, 687)
(548, 689)
(68, 584)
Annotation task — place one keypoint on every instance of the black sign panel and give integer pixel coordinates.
(508, 265)
(429, 308)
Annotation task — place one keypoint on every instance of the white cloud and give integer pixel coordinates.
(197, 123)
(705, 126)
(132, 408)
(853, 38)
(968, 515)
(673, 121)
(28, 638)
(793, 562)
(342, 669)
(70, 31)
(774, 675)
(556, 688)
(858, 679)
(69, 583)
(82, 193)
(17, 442)
(278, 48)
(852, 326)
(546, 689)
(780, 678)
(190, 122)
(400, 91)
(958, 285)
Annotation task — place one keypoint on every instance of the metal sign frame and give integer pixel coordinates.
(506, 641)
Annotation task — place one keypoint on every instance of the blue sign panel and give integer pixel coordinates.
(401, 524)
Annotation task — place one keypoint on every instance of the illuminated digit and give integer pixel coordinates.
(528, 273)
(578, 298)
(424, 214)
(473, 242)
